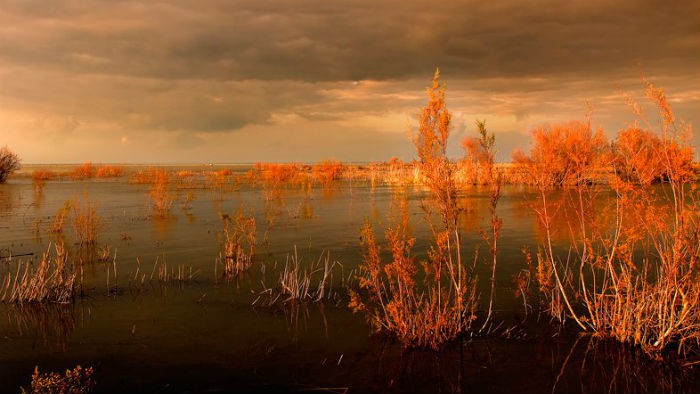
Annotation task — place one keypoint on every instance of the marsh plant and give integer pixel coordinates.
(630, 270)
(85, 221)
(443, 306)
(237, 245)
(307, 283)
(161, 197)
(52, 280)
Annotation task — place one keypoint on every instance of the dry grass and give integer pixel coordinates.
(78, 380)
(85, 221)
(59, 219)
(179, 274)
(311, 283)
(162, 274)
(161, 198)
(53, 280)
(238, 244)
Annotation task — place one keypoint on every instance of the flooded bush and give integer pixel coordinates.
(632, 275)
(443, 306)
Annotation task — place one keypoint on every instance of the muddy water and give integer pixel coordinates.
(213, 335)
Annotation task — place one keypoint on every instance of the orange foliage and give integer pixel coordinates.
(160, 195)
(328, 171)
(76, 381)
(278, 174)
(442, 307)
(632, 270)
(563, 154)
(110, 172)
(42, 175)
(479, 156)
(83, 171)
(145, 176)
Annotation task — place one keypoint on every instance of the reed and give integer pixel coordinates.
(237, 247)
(52, 281)
(179, 274)
(161, 198)
(60, 218)
(85, 221)
(311, 283)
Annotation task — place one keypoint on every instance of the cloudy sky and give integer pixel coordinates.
(303, 80)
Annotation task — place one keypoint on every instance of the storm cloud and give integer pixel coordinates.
(240, 81)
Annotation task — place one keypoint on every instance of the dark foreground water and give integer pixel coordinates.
(212, 335)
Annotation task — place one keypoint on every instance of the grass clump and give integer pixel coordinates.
(237, 248)
(78, 380)
(52, 281)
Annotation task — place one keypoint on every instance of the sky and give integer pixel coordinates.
(214, 81)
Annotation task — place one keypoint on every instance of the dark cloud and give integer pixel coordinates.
(215, 66)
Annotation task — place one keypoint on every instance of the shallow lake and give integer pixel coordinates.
(209, 334)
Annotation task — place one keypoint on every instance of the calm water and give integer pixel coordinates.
(207, 336)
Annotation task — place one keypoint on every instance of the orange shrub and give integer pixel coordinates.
(160, 195)
(328, 171)
(145, 176)
(42, 175)
(110, 171)
(640, 156)
(83, 171)
(563, 154)
(479, 153)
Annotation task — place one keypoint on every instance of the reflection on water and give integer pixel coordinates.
(53, 324)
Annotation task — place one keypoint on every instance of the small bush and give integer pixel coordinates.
(83, 171)
(9, 163)
(110, 172)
